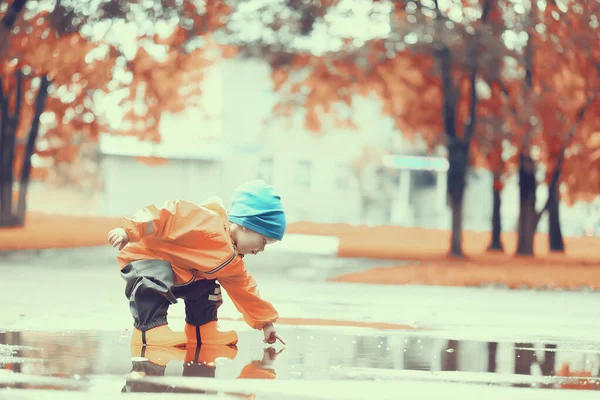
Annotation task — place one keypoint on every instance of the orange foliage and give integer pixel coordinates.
(581, 171)
(411, 94)
(167, 86)
(35, 49)
(578, 384)
(567, 100)
(406, 78)
(492, 131)
(53, 44)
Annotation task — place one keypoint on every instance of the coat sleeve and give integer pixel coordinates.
(161, 222)
(255, 370)
(242, 289)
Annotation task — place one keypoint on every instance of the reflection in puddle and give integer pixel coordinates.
(199, 362)
(36, 360)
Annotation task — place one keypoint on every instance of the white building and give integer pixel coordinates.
(241, 141)
(312, 172)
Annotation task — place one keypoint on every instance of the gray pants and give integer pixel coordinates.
(150, 288)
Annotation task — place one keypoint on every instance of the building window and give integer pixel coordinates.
(265, 170)
(421, 182)
(303, 174)
(343, 177)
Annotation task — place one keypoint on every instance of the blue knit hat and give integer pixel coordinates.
(256, 206)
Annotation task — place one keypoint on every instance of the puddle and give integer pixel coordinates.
(104, 362)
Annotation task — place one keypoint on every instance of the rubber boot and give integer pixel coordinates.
(207, 354)
(209, 334)
(159, 336)
(158, 355)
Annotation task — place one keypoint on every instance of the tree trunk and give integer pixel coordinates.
(40, 104)
(458, 147)
(456, 238)
(527, 212)
(527, 179)
(492, 356)
(496, 243)
(524, 358)
(12, 14)
(3, 134)
(548, 366)
(554, 232)
(10, 123)
(457, 157)
(449, 360)
(7, 153)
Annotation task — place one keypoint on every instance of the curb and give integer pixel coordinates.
(292, 243)
(383, 242)
(87, 255)
(308, 244)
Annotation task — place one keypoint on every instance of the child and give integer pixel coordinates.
(181, 250)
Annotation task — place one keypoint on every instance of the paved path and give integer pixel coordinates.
(81, 293)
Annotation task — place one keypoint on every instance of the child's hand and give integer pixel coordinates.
(269, 356)
(118, 238)
(271, 335)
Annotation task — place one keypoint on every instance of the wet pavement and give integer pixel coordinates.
(103, 363)
(64, 334)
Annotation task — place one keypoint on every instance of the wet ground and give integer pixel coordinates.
(102, 363)
(64, 321)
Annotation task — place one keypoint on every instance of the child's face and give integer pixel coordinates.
(250, 242)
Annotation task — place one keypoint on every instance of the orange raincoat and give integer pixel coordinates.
(196, 241)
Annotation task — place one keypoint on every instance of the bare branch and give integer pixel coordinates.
(444, 59)
(39, 106)
(19, 100)
(474, 55)
(12, 14)
(486, 9)
(558, 169)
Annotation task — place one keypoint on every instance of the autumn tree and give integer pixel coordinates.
(424, 70)
(54, 65)
(559, 92)
(491, 139)
(583, 186)
(572, 113)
